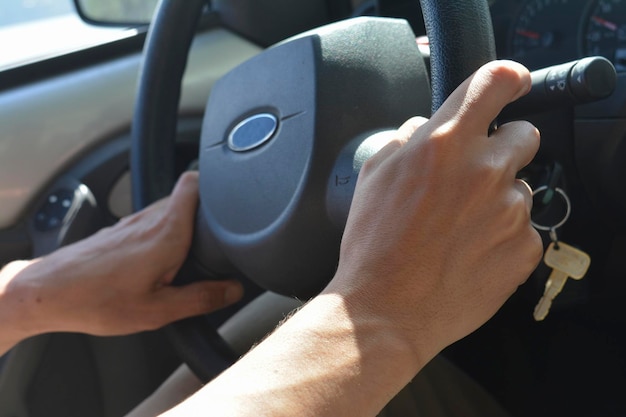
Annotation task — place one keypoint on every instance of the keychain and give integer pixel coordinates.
(565, 260)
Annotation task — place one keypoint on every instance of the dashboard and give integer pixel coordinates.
(541, 33)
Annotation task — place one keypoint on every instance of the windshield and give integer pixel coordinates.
(32, 30)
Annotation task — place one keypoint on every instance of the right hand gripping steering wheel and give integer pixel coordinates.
(282, 138)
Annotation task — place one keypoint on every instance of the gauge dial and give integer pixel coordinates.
(606, 32)
(545, 32)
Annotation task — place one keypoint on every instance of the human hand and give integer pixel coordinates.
(118, 280)
(438, 235)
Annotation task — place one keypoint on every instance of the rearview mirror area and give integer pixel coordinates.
(116, 12)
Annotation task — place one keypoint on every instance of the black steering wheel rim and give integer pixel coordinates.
(461, 40)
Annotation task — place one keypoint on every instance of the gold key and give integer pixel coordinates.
(566, 262)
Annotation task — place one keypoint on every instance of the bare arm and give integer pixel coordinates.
(115, 282)
(437, 239)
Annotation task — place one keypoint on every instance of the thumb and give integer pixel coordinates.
(183, 201)
(481, 97)
(198, 298)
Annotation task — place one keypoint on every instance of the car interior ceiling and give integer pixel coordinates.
(572, 364)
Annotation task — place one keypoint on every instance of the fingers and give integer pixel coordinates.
(473, 106)
(184, 198)
(527, 194)
(518, 142)
(397, 140)
(175, 303)
(480, 98)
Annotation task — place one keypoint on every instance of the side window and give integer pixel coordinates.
(118, 11)
(32, 30)
(24, 11)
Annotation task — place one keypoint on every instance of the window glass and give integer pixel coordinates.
(137, 11)
(20, 11)
(32, 30)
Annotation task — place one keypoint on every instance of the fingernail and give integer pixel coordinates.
(233, 294)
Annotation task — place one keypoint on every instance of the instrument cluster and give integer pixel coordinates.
(540, 33)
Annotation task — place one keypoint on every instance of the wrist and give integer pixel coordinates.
(20, 314)
(376, 341)
(360, 361)
(326, 360)
(375, 304)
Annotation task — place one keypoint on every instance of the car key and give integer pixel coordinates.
(566, 262)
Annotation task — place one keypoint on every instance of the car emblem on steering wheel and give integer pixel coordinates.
(252, 132)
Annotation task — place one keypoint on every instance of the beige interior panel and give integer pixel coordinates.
(47, 125)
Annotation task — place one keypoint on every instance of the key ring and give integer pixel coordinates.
(568, 211)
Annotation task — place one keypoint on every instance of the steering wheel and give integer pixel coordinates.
(284, 136)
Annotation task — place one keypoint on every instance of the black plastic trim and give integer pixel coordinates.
(267, 22)
(49, 67)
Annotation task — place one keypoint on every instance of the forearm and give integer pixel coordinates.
(31, 302)
(326, 360)
(17, 309)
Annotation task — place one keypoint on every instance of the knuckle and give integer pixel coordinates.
(369, 166)
(521, 208)
(374, 161)
(536, 246)
(488, 171)
(528, 130)
(506, 72)
(395, 143)
(443, 142)
(412, 125)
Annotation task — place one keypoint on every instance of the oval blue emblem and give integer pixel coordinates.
(252, 132)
